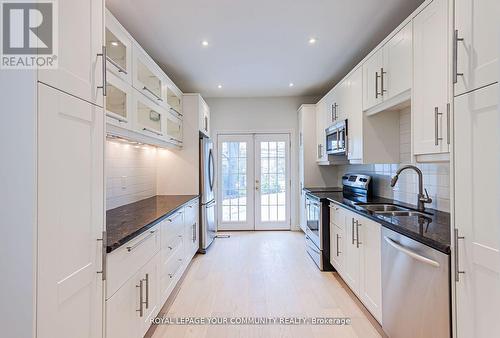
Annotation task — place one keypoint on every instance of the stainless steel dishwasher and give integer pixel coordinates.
(415, 289)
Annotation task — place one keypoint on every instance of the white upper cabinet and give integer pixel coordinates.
(80, 69)
(174, 127)
(321, 120)
(147, 79)
(430, 106)
(372, 94)
(203, 116)
(118, 101)
(387, 73)
(118, 49)
(477, 42)
(397, 71)
(150, 118)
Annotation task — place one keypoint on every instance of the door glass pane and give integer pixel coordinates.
(150, 80)
(273, 181)
(116, 50)
(234, 181)
(116, 100)
(148, 117)
(174, 127)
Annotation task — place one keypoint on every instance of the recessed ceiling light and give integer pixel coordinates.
(291, 84)
(219, 86)
(114, 43)
(204, 43)
(312, 41)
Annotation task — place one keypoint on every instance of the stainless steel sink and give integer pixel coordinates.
(408, 213)
(376, 208)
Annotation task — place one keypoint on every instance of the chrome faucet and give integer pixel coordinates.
(422, 199)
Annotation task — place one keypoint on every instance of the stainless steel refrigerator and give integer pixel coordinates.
(207, 186)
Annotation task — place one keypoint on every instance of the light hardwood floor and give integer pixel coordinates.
(263, 274)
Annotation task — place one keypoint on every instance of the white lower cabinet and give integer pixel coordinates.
(130, 309)
(355, 252)
(143, 272)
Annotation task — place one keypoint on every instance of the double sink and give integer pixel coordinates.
(390, 210)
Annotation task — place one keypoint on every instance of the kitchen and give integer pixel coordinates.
(173, 171)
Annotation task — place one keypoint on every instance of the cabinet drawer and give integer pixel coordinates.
(171, 246)
(191, 213)
(125, 261)
(171, 269)
(337, 215)
(172, 227)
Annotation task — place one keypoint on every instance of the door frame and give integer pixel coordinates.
(293, 172)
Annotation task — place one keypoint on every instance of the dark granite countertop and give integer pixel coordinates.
(130, 220)
(433, 230)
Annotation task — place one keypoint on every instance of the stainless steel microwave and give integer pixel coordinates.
(336, 138)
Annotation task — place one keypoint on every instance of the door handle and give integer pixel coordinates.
(376, 85)
(456, 39)
(352, 231)
(141, 298)
(410, 253)
(357, 234)
(448, 129)
(147, 290)
(436, 126)
(103, 56)
(457, 263)
(382, 90)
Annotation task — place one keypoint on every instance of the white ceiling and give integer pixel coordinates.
(257, 47)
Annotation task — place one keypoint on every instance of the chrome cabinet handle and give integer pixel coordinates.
(376, 85)
(357, 234)
(171, 219)
(457, 263)
(319, 155)
(338, 250)
(175, 111)
(119, 119)
(120, 68)
(152, 131)
(130, 248)
(152, 93)
(436, 126)
(206, 123)
(104, 242)
(194, 232)
(352, 231)
(456, 39)
(382, 90)
(147, 290)
(141, 298)
(103, 56)
(448, 129)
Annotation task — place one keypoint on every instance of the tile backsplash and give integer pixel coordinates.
(130, 173)
(436, 175)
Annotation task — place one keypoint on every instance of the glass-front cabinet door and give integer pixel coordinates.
(118, 49)
(174, 101)
(147, 79)
(149, 117)
(174, 129)
(117, 101)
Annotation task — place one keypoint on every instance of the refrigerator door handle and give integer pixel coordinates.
(209, 204)
(211, 170)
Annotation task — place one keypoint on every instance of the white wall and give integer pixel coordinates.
(436, 175)
(130, 173)
(267, 114)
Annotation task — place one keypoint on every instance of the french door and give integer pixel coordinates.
(254, 182)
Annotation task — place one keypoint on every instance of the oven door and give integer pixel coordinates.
(313, 221)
